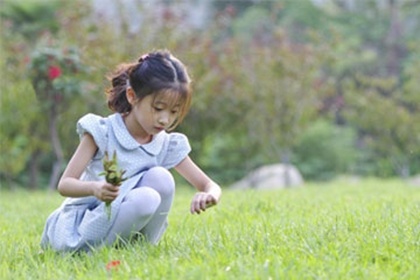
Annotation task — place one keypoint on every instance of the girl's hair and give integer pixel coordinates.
(153, 73)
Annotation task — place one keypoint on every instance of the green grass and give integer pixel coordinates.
(341, 230)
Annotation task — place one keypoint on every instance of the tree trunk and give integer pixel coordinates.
(394, 48)
(7, 183)
(33, 167)
(58, 152)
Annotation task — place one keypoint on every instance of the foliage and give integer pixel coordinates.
(18, 108)
(112, 174)
(13, 143)
(31, 18)
(282, 96)
(393, 137)
(325, 150)
(265, 104)
(338, 230)
(263, 72)
(370, 71)
(297, 17)
(226, 157)
(53, 72)
(255, 21)
(55, 76)
(411, 83)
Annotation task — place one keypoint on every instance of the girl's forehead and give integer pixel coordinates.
(171, 98)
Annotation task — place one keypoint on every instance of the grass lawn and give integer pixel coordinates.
(361, 230)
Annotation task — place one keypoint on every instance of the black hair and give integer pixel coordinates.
(153, 73)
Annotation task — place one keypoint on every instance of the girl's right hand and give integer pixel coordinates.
(105, 191)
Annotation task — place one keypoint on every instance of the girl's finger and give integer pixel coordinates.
(210, 203)
(195, 205)
(203, 203)
(192, 208)
(113, 188)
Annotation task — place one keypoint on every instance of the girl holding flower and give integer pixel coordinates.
(149, 98)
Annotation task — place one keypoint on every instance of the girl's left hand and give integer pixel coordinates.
(202, 201)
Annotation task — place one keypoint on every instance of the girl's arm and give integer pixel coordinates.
(209, 192)
(71, 186)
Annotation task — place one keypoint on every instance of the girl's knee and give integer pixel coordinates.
(152, 198)
(161, 172)
(161, 180)
(146, 200)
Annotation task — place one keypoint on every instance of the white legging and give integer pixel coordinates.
(145, 208)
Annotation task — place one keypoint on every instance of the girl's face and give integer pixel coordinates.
(155, 113)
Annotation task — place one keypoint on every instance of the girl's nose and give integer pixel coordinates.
(163, 120)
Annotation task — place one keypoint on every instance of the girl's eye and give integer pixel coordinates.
(174, 112)
(158, 109)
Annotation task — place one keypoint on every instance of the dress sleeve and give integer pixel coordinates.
(178, 149)
(97, 127)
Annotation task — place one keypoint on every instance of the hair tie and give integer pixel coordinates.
(143, 57)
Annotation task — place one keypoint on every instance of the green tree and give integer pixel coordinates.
(370, 72)
(31, 18)
(16, 105)
(31, 24)
(284, 97)
(387, 125)
(54, 75)
(263, 96)
(325, 150)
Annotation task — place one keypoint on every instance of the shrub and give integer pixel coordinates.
(324, 151)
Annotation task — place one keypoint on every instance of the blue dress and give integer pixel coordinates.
(81, 223)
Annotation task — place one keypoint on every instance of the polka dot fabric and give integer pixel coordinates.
(80, 223)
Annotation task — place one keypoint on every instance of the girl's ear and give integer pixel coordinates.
(131, 95)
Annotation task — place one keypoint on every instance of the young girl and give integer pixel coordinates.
(149, 98)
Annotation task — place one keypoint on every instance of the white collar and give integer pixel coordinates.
(128, 142)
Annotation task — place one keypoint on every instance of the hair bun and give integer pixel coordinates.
(143, 57)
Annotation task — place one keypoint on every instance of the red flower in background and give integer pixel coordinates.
(54, 72)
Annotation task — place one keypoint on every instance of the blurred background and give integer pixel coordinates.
(330, 86)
